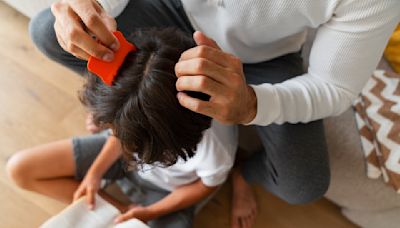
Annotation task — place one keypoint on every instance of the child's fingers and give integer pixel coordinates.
(79, 193)
(128, 215)
(90, 197)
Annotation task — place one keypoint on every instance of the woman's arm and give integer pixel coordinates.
(346, 50)
(181, 198)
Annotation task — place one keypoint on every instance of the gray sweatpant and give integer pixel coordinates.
(294, 163)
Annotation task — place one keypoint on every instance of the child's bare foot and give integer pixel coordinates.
(90, 126)
(244, 206)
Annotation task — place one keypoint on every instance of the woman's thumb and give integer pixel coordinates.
(202, 39)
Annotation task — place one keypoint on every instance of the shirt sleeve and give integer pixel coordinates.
(345, 52)
(113, 7)
(219, 145)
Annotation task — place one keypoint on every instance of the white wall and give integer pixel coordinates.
(29, 7)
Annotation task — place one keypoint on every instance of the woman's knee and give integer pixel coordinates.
(41, 29)
(296, 161)
(18, 170)
(305, 189)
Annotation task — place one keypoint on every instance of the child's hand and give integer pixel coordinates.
(137, 212)
(89, 187)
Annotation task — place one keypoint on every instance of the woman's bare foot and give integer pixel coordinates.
(91, 126)
(244, 206)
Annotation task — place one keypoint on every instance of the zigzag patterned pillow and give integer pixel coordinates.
(378, 119)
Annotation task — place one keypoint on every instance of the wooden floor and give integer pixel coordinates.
(38, 104)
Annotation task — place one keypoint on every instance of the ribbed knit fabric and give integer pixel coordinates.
(113, 7)
(350, 40)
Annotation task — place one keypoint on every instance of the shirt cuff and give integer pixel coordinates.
(113, 7)
(268, 105)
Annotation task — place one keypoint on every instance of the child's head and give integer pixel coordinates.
(142, 107)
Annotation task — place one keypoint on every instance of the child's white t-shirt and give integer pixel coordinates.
(214, 158)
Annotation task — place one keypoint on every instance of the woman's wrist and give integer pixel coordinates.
(251, 106)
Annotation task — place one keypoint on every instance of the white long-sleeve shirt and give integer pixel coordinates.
(349, 42)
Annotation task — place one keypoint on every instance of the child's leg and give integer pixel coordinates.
(49, 169)
(179, 219)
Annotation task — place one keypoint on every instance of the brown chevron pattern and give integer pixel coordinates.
(378, 119)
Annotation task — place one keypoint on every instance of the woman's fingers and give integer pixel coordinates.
(201, 39)
(202, 66)
(213, 55)
(73, 35)
(196, 105)
(88, 12)
(232, 100)
(199, 83)
(82, 41)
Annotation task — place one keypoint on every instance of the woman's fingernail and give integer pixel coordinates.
(108, 57)
(115, 46)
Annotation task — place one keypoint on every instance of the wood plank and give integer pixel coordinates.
(17, 212)
(29, 106)
(16, 45)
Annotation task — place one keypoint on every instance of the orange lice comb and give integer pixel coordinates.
(108, 70)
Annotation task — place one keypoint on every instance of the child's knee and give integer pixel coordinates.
(18, 171)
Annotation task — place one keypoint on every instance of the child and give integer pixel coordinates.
(181, 157)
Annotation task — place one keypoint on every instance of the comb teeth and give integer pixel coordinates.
(108, 70)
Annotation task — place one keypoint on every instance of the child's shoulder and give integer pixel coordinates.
(219, 137)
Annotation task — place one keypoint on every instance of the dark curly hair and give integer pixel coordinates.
(141, 106)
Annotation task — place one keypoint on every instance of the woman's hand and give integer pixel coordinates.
(137, 212)
(76, 21)
(89, 186)
(206, 68)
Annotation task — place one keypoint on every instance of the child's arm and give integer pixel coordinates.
(181, 198)
(110, 152)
